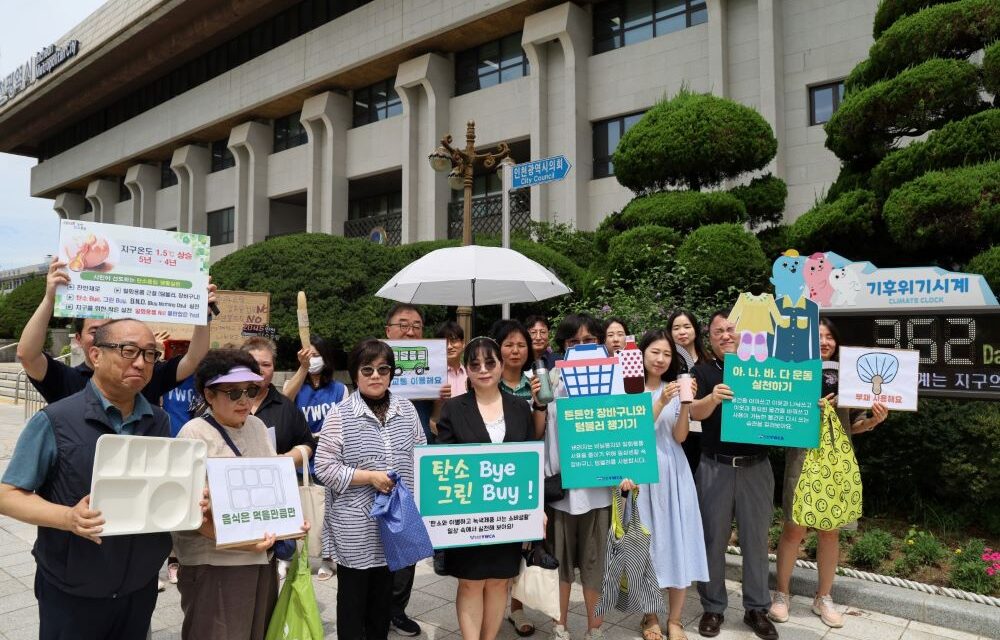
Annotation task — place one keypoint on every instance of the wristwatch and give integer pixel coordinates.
(541, 408)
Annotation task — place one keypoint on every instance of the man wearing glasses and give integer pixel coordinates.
(732, 479)
(56, 380)
(89, 587)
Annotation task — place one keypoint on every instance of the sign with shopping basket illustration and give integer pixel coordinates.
(480, 494)
(604, 439)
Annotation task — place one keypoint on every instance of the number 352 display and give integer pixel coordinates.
(959, 348)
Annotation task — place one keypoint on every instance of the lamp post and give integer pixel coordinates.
(461, 164)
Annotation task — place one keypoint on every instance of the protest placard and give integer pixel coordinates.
(869, 375)
(480, 494)
(421, 368)
(604, 439)
(117, 271)
(252, 497)
(240, 313)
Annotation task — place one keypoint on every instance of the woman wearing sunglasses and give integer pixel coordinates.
(364, 437)
(226, 593)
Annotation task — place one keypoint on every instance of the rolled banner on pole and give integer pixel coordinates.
(303, 313)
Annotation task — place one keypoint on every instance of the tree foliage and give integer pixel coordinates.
(991, 70)
(637, 248)
(987, 264)
(579, 246)
(17, 307)
(725, 255)
(889, 11)
(692, 141)
(849, 226)
(764, 199)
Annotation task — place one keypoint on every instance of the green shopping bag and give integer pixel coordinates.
(296, 614)
(828, 494)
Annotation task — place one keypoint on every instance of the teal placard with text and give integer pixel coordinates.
(774, 402)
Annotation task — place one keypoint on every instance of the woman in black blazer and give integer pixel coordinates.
(483, 415)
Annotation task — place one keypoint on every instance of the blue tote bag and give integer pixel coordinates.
(404, 536)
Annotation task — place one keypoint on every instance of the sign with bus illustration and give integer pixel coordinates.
(421, 368)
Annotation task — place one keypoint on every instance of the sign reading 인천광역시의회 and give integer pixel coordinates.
(254, 496)
(421, 368)
(480, 494)
(117, 271)
(40, 65)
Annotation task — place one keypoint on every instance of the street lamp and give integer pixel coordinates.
(461, 164)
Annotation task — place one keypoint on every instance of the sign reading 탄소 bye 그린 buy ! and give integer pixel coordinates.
(252, 497)
(421, 368)
(604, 439)
(480, 494)
(117, 271)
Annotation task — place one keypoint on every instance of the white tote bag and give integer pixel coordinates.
(538, 588)
(313, 499)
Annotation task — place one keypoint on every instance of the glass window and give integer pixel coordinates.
(490, 64)
(289, 132)
(376, 102)
(618, 23)
(222, 226)
(378, 205)
(222, 157)
(824, 100)
(167, 176)
(607, 135)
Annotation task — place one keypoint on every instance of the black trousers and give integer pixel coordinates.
(67, 617)
(402, 585)
(361, 598)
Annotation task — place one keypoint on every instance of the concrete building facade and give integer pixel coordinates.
(248, 119)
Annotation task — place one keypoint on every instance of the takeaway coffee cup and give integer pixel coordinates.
(686, 392)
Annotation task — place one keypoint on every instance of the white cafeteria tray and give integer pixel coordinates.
(146, 485)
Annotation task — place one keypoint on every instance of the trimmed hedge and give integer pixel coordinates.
(953, 30)
(725, 255)
(17, 307)
(693, 140)
(764, 199)
(968, 141)
(987, 264)
(991, 70)
(640, 247)
(774, 240)
(848, 226)
(889, 11)
(947, 213)
(579, 246)
(869, 122)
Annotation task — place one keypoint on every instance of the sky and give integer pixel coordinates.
(29, 228)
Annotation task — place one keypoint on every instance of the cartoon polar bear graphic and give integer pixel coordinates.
(846, 285)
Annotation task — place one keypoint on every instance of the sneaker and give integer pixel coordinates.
(823, 607)
(560, 632)
(594, 634)
(161, 585)
(779, 607)
(439, 567)
(405, 626)
(172, 569)
(283, 568)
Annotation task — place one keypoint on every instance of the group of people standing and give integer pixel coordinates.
(93, 587)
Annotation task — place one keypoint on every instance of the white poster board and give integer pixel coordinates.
(421, 368)
(254, 496)
(889, 376)
(116, 271)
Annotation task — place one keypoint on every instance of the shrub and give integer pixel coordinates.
(871, 549)
(774, 240)
(693, 140)
(578, 246)
(889, 11)
(923, 548)
(987, 264)
(811, 545)
(970, 567)
(17, 307)
(963, 142)
(774, 536)
(848, 225)
(725, 255)
(868, 122)
(641, 247)
(764, 199)
(949, 213)
(991, 69)
(849, 179)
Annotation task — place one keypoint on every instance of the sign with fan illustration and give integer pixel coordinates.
(889, 376)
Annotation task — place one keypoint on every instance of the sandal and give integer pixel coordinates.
(522, 625)
(675, 631)
(650, 627)
(325, 572)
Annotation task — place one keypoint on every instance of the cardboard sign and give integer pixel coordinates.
(889, 376)
(252, 497)
(421, 368)
(117, 271)
(238, 310)
(604, 439)
(480, 494)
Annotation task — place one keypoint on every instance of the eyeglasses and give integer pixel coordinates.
(539, 333)
(131, 352)
(236, 394)
(572, 342)
(483, 365)
(405, 327)
(382, 370)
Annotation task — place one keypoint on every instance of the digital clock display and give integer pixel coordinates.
(959, 349)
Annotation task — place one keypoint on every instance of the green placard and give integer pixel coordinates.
(605, 439)
(774, 402)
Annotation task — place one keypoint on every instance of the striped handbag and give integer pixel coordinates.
(629, 578)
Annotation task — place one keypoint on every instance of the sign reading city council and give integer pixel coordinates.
(117, 271)
(480, 494)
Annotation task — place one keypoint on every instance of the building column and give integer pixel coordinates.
(191, 164)
(326, 118)
(718, 77)
(537, 55)
(425, 86)
(69, 205)
(563, 129)
(251, 144)
(142, 181)
(103, 195)
(772, 74)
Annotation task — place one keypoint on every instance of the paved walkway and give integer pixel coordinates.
(432, 603)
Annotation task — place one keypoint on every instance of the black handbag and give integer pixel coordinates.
(554, 491)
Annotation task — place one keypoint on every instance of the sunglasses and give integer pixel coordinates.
(236, 394)
(383, 370)
(483, 365)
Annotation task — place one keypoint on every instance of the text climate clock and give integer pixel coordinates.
(959, 348)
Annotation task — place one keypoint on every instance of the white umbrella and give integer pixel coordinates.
(470, 276)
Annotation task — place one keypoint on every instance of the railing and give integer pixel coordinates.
(392, 223)
(33, 401)
(487, 214)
